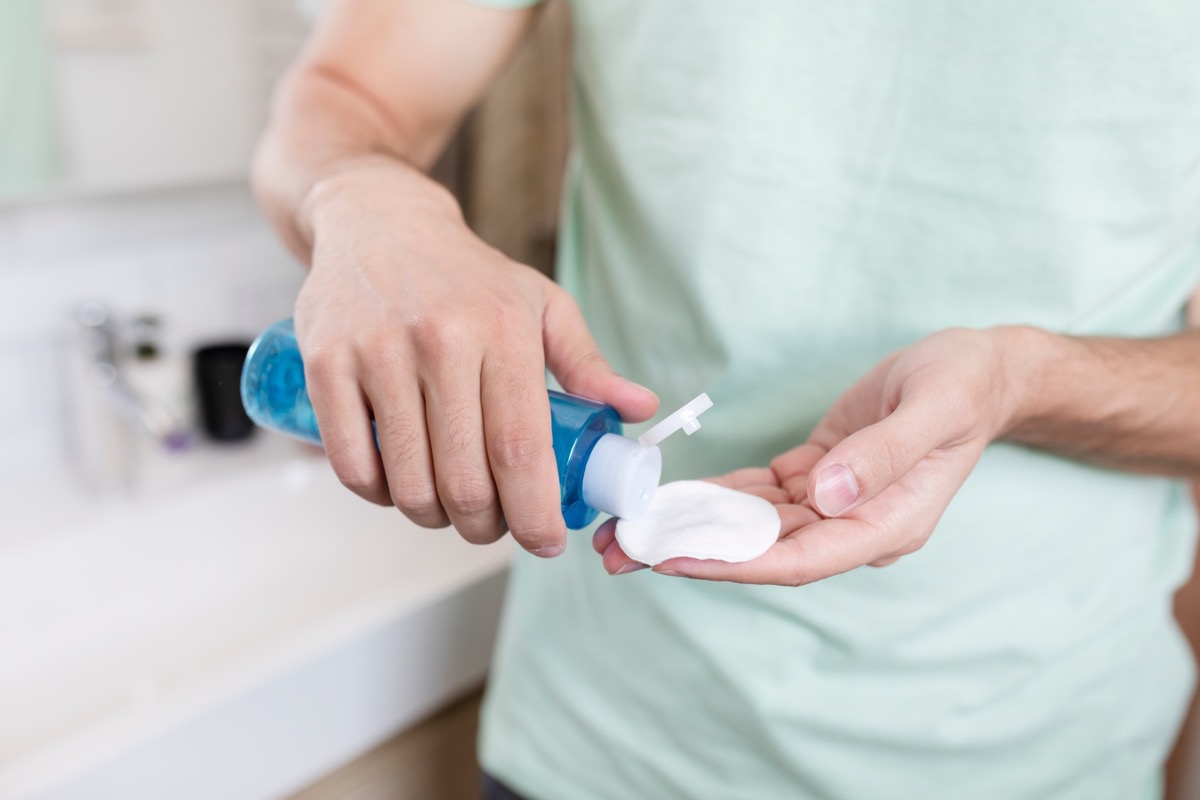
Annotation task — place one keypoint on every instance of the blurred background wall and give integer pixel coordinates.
(140, 117)
(158, 103)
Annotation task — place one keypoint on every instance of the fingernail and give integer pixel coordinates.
(836, 490)
(670, 572)
(549, 551)
(628, 568)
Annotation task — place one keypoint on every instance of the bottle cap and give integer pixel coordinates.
(621, 476)
(685, 419)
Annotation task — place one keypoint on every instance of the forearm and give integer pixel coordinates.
(379, 90)
(323, 129)
(1131, 404)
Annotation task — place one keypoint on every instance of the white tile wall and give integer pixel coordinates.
(171, 108)
(202, 258)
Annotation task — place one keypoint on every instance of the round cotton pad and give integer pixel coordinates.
(696, 519)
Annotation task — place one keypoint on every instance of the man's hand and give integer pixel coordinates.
(874, 478)
(408, 319)
(878, 471)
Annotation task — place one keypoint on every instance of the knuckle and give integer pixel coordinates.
(419, 502)
(324, 364)
(363, 477)
(480, 533)
(359, 478)
(896, 454)
(480, 537)
(436, 338)
(470, 496)
(516, 449)
(537, 530)
(513, 325)
(507, 318)
(379, 348)
(339, 451)
(888, 460)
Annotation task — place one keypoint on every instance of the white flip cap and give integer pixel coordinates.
(621, 476)
(684, 419)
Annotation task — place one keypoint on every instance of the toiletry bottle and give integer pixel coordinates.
(158, 375)
(599, 469)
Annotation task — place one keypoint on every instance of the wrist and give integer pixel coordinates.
(360, 183)
(1029, 357)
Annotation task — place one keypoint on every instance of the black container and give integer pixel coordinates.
(218, 370)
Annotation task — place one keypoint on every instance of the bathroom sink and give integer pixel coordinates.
(235, 640)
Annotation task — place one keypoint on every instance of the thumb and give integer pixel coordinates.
(870, 460)
(575, 359)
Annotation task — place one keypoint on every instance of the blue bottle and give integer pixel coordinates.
(599, 469)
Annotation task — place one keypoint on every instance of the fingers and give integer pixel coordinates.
(520, 451)
(345, 425)
(791, 469)
(775, 495)
(458, 396)
(816, 550)
(617, 563)
(604, 542)
(868, 461)
(747, 477)
(810, 549)
(758, 481)
(573, 357)
(460, 460)
(605, 535)
(404, 448)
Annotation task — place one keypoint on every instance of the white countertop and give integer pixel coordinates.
(121, 622)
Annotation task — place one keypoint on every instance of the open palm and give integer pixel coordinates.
(878, 471)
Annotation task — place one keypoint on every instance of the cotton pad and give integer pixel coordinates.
(697, 519)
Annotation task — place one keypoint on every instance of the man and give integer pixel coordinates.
(930, 261)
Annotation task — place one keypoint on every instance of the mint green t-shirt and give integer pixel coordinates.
(766, 198)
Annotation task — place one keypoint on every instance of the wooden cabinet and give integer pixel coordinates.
(434, 760)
